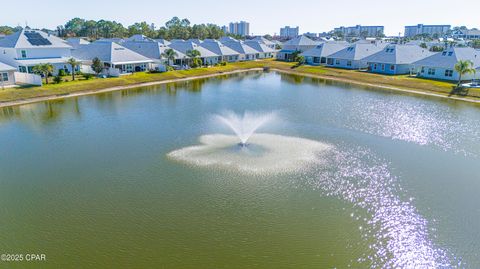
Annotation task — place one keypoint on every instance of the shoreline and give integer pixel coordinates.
(160, 82)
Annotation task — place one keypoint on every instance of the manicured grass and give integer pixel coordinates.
(403, 82)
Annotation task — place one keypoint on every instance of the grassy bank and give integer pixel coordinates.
(79, 86)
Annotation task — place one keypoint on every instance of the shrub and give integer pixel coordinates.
(57, 79)
(196, 62)
(62, 72)
(223, 63)
(87, 76)
(169, 68)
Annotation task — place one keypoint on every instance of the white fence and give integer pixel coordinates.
(31, 79)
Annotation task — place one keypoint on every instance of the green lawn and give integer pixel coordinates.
(65, 88)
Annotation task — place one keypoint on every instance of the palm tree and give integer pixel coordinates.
(73, 63)
(170, 55)
(192, 54)
(43, 69)
(463, 68)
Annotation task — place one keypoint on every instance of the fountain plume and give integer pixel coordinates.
(244, 126)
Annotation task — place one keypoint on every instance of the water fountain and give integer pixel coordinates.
(244, 126)
(250, 151)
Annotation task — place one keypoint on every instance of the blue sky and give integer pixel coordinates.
(265, 16)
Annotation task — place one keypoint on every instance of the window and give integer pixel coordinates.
(24, 54)
(449, 73)
(450, 53)
(431, 71)
(22, 69)
(4, 76)
(337, 62)
(375, 67)
(316, 60)
(330, 61)
(444, 53)
(349, 63)
(423, 69)
(383, 67)
(392, 67)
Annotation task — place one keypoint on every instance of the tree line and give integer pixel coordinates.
(175, 28)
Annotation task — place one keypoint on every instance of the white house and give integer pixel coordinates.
(318, 55)
(441, 65)
(225, 53)
(299, 44)
(27, 48)
(7, 75)
(266, 42)
(208, 57)
(154, 50)
(264, 51)
(117, 59)
(353, 56)
(396, 59)
(246, 53)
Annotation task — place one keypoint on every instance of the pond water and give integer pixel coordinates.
(143, 178)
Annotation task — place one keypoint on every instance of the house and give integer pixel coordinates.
(318, 55)
(441, 65)
(246, 53)
(466, 34)
(266, 42)
(117, 59)
(7, 75)
(154, 50)
(26, 48)
(353, 56)
(208, 57)
(396, 59)
(263, 51)
(294, 46)
(226, 54)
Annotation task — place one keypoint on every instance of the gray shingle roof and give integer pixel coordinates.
(357, 51)
(152, 49)
(109, 52)
(19, 40)
(6, 67)
(325, 49)
(399, 54)
(184, 46)
(218, 48)
(259, 46)
(240, 47)
(449, 57)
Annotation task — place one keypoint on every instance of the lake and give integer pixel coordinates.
(90, 181)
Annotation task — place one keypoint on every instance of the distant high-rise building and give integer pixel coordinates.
(239, 28)
(225, 29)
(359, 30)
(290, 32)
(431, 30)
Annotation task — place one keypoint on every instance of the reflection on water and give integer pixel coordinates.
(398, 234)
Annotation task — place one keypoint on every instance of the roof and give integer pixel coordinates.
(109, 52)
(224, 39)
(300, 41)
(76, 41)
(30, 62)
(218, 48)
(152, 49)
(139, 38)
(450, 57)
(399, 54)
(240, 47)
(184, 46)
(325, 49)
(27, 39)
(6, 67)
(162, 41)
(259, 46)
(357, 51)
(263, 40)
